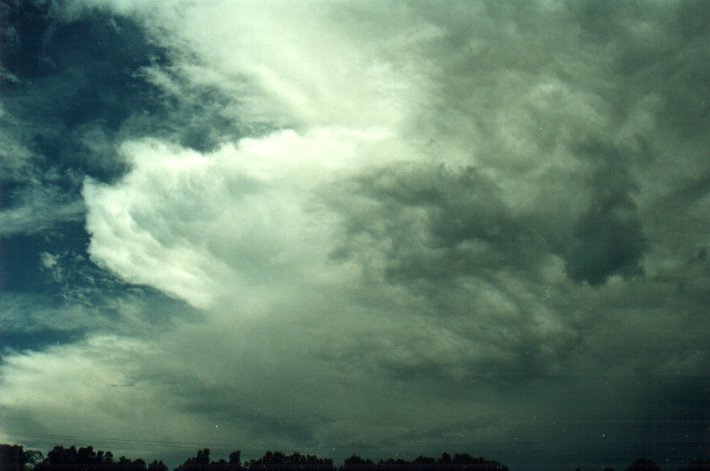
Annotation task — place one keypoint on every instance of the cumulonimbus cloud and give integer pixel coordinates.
(409, 224)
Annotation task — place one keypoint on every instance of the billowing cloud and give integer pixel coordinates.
(197, 226)
(608, 236)
(372, 228)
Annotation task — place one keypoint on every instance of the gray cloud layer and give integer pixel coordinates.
(365, 227)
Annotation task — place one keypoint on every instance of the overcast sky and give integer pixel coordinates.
(384, 228)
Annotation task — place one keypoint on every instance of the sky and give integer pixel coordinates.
(337, 227)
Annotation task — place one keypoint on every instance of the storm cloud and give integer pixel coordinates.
(357, 227)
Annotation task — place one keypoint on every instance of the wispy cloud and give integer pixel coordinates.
(398, 227)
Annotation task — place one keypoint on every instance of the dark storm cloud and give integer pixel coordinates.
(487, 227)
(661, 51)
(608, 237)
(435, 223)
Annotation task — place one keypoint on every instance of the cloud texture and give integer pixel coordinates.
(359, 227)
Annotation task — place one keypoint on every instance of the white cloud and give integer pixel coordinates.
(88, 389)
(200, 227)
(315, 330)
(247, 232)
(305, 66)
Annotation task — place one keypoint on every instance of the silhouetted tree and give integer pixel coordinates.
(86, 459)
(643, 464)
(200, 462)
(356, 463)
(444, 459)
(697, 465)
(462, 458)
(62, 458)
(424, 463)
(31, 458)
(235, 459)
(157, 466)
(277, 461)
(16, 458)
(355, 459)
(12, 458)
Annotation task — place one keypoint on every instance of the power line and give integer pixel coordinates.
(189, 445)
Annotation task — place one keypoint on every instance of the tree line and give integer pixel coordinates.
(60, 458)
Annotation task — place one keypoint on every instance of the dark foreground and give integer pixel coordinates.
(16, 458)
